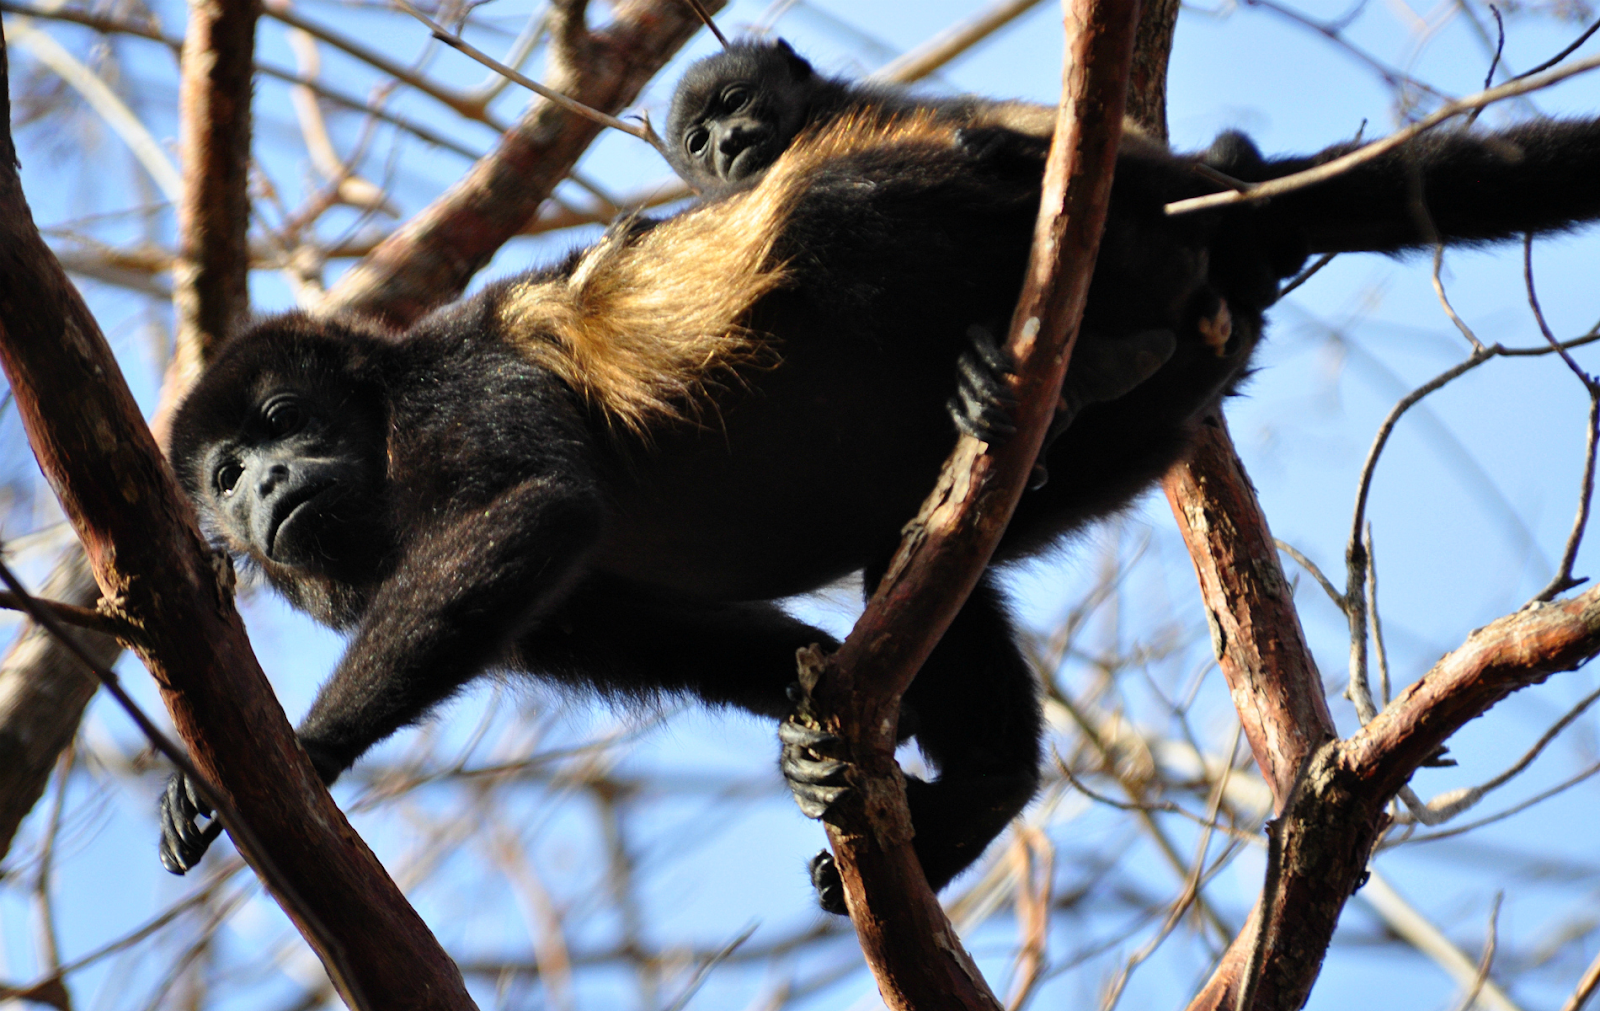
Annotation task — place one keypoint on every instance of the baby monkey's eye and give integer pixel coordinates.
(228, 476)
(695, 141)
(735, 98)
(284, 416)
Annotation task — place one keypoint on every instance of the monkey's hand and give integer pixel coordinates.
(1102, 368)
(817, 781)
(183, 840)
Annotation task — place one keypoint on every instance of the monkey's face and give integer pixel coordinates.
(735, 113)
(285, 465)
(285, 489)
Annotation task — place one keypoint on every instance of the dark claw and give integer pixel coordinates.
(183, 841)
(828, 885)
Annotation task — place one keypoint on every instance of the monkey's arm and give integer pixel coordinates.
(462, 594)
(623, 639)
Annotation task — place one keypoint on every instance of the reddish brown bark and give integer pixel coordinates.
(210, 289)
(1337, 811)
(908, 942)
(43, 689)
(157, 572)
(1255, 630)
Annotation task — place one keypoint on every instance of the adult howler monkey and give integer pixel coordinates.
(603, 473)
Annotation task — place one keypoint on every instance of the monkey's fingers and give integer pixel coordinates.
(815, 779)
(183, 841)
(983, 404)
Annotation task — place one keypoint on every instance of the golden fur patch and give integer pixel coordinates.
(645, 322)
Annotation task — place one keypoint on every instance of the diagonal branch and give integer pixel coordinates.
(908, 942)
(156, 571)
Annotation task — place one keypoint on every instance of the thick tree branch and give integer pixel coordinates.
(157, 572)
(43, 689)
(908, 942)
(430, 260)
(1255, 630)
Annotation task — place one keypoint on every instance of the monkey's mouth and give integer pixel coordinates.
(293, 521)
(752, 158)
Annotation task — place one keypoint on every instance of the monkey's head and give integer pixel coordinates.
(734, 113)
(281, 446)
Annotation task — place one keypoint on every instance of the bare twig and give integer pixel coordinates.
(711, 24)
(947, 45)
(1486, 960)
(83, 617)
(468, 106)
(1427, 938)
(1444, 299)
(641, 130)
(1316, 573)
(1307, 274)
(1588, 983)
(1328, 170)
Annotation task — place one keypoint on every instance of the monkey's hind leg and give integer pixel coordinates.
(974, 710)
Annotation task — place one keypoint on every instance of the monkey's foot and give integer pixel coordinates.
(816, 780)
(827, 883)
(183, 840)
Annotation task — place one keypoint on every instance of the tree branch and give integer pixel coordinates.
(908, 942)
(157, 572)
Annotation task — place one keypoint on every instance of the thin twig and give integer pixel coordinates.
(1344, 163)
(1444, 299)
(468, 107)
(705, 16)
(1563, 580)
(1486, 960)
(1307, 274)
(1514, 809)
(1587, 984)
(1557, 58)
(947, 45)
(83, 617)
(1379, 650)
(1453, 802)
(1316, 573)
(642, 131)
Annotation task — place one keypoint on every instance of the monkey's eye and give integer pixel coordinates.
(735, 98)
(228, 476)
(283, 416)
(695, 140)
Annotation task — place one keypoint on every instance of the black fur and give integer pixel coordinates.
(500, 522)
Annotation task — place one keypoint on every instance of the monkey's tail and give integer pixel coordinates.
(1457, 186)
